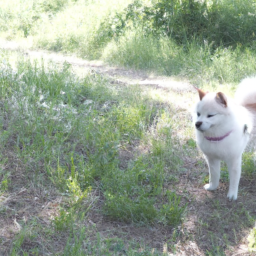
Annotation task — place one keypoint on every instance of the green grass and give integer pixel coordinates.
(64, 147)
(58, 123)
(68, 134)
(144, 34)
(251, 240)
(74, 149)
(199, 63)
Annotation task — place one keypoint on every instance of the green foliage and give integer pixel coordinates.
(252, 240)
(216, 251)
(76, 250)
(224, 175)
(5, 182)
(76, 133)
(172, 212)
(28, 234)
(218, 22)
(179, 19)
(200, 63)
(248, 166)
(248, 163)
(52, 6)
(130, 195)
(65, 220)
(77, 28)
(4, 177)
(24, 17)
(78, 245)
(124, 208)
(185, 38)
(191, 143)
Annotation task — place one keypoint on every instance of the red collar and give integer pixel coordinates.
(217, 138)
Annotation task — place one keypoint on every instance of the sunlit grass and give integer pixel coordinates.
(93, 30)
(77, 28)
(201, 64)
(70, 132)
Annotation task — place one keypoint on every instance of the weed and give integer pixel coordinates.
(25, 242)
(252, 240)
(123, 208)
(248, 164)
(5, 182)
(224, 175)
(172, 211)
(75, 247)
(65, 220)
(216, 251)
(191, 143)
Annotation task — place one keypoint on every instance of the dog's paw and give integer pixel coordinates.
(210, 187)
(232, 196)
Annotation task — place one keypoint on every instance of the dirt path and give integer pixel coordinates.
(118, 74)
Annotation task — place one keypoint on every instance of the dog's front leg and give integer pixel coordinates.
(234, 169)
(214, 172)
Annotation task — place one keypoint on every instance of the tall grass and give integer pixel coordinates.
(77, 28)
(199, 63)
(185, 38)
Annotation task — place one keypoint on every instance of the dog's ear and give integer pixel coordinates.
(200, 92)
(221, 99)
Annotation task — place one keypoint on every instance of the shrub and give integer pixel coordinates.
(222, 22)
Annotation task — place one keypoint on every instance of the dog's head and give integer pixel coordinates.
(210, 111)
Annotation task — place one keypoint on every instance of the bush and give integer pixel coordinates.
(222, 22)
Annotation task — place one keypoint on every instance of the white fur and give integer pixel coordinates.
(234, 117)
(246, 91)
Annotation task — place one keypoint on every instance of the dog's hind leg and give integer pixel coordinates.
(214, 172)
(234, 169)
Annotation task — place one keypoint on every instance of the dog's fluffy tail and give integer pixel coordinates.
(246, 96)
(246, 93)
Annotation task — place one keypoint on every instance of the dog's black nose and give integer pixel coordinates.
(198, 124)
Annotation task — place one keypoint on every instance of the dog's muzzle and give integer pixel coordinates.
(198, 124)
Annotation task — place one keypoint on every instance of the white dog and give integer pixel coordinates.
(223, 128)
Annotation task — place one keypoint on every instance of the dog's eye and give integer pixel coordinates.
(210, 115)
(198, 114)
